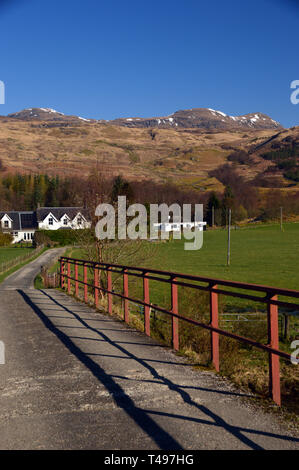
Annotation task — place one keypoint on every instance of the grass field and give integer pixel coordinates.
(10, 253)
(13, 258)
(259, 255)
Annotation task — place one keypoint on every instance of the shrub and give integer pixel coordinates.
(241, 157)
(292, 174)
(61, 237)
(5, 239)
(40, 238)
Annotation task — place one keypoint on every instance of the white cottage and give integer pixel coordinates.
(23, 224)
(20, 224)
(54, 218)
(179, 226)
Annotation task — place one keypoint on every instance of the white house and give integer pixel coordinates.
(20, 224)
(179, 226)
(23, 224)
(54, 218)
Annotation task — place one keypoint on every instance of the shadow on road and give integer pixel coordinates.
(141, 416)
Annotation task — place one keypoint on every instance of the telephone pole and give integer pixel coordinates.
(228, 236)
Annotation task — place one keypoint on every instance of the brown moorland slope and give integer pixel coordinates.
(182, 156)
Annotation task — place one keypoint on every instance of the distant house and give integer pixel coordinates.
(54, 218)
(179, 226)
(20, 224)
(23, 224)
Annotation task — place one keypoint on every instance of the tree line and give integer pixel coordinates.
(27, 192)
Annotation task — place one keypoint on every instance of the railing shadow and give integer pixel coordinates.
(142, 417)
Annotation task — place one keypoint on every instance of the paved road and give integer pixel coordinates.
(77, 379)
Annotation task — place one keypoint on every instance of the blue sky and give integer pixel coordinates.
(105, 60)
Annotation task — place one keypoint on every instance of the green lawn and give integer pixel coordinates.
(259, 255)
(10, 253)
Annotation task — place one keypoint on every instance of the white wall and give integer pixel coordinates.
(84, 223)
(44, 225)
(21, 236)
(5, 218)
(177, 227)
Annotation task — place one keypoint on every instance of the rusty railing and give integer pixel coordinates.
(269, 296)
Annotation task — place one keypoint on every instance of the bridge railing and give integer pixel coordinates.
(254, 292)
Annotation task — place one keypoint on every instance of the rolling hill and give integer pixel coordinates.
(183, 151)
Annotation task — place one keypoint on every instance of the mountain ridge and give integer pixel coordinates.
(198, 118)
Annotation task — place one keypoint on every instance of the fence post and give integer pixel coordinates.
(273, 341)
(62, 273)
(76, 280)
(146, 299)
(126, 294)
(85, 283)
(214, 321)
(286, 326)
(96, 285)
(69, 277)
(109, 287)
(175, 320)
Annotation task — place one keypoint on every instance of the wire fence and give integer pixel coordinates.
(7, 265)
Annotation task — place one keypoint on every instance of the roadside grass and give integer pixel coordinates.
(20, 265)
(38, 282)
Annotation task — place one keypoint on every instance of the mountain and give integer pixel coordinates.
(42, 140)
(203, 118)
(188, 148)
(206, 119)
(44, 114)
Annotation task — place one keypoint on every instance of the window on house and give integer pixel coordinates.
(6, 223)
(50, 221)
(32, 236)
(79, 221)
(25, 234)
(64, 221)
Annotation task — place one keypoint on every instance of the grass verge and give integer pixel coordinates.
(18, 266)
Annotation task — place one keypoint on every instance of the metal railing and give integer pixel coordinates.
(268, 296)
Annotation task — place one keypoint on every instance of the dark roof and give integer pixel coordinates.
(26, 220)
(59, 212)
(21, 219)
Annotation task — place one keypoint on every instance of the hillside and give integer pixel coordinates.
(57, 144)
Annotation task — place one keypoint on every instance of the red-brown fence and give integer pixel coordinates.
(269, 296)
